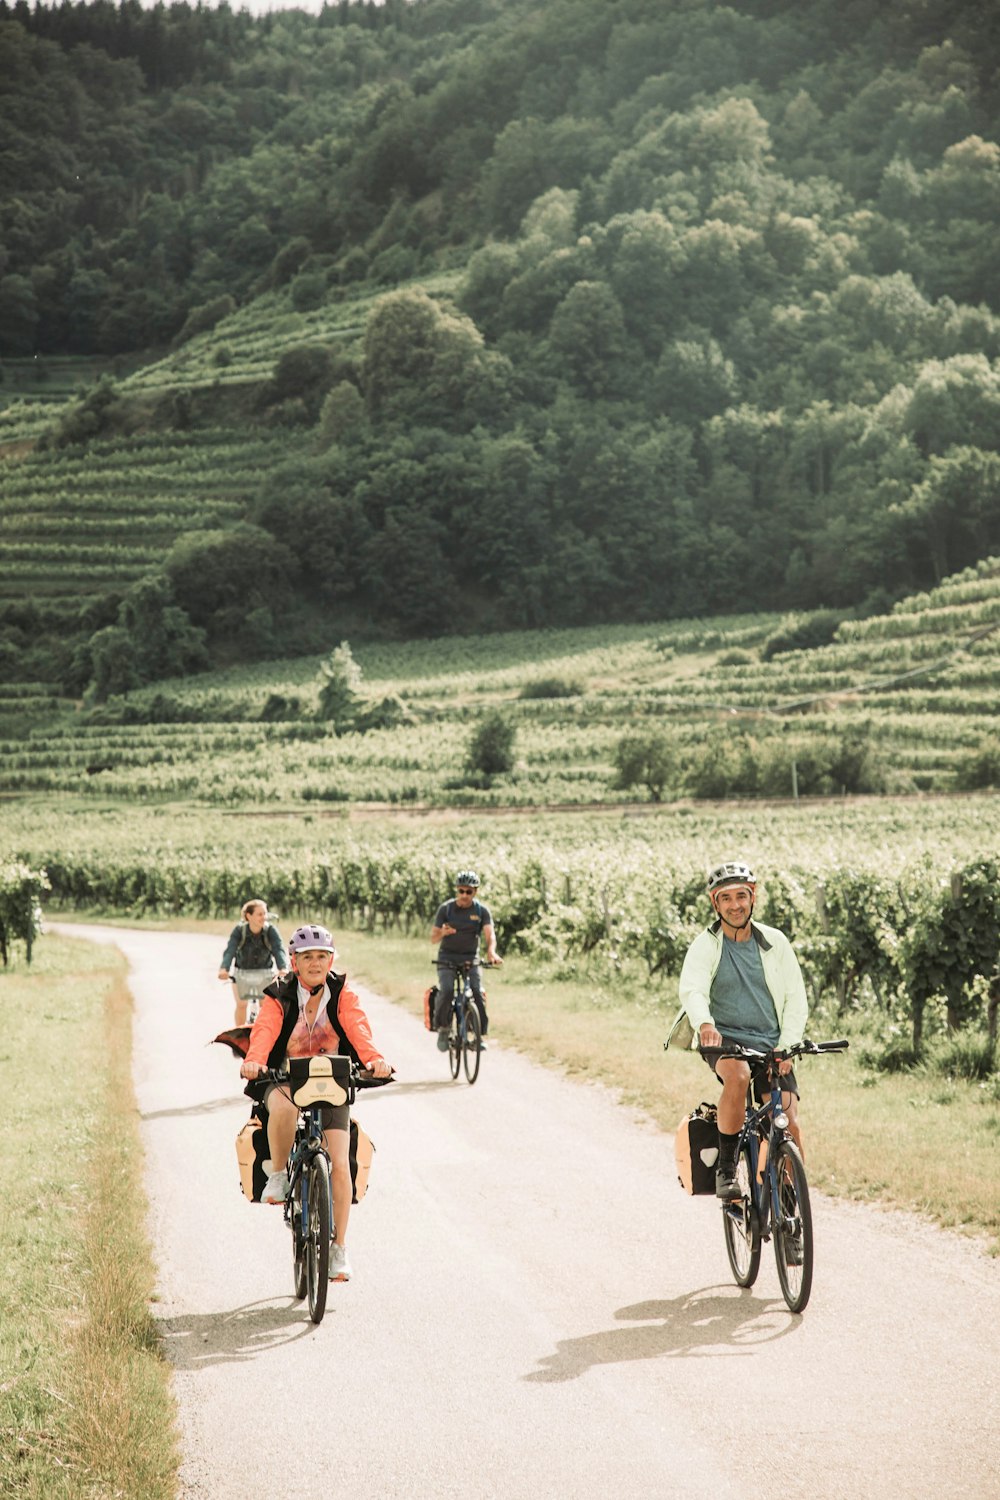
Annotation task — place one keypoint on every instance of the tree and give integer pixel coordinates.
(644, 760)
(588, 331)
(339, 680)
(491, 746)
(423, 363)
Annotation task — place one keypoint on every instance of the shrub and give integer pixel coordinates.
(308, 291)
(551, 687)
(201, 319)
(803, 632)
(964, 1055)
(979, 769)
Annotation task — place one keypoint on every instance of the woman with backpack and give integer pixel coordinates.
(253, 953)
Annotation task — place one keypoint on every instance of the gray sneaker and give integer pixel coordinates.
(340, 1266)
(276, 1188)
(443, 1039)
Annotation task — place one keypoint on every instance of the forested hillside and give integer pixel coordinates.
(545, 315)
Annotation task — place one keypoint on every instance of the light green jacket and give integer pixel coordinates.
(781, 974)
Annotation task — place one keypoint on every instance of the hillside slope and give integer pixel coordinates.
(903, 702)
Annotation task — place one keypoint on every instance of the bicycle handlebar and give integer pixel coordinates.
(360, 1077)
(776, 1054)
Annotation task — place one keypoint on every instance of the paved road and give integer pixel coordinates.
(537, 1311)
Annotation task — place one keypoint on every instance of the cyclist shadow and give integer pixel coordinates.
(200, 1339)
(730, 1322)
(423, 1086)
(205, 1107)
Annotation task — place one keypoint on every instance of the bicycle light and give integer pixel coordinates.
(781, 1120)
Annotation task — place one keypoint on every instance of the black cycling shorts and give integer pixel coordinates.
(332, 1116)
(789, 1083)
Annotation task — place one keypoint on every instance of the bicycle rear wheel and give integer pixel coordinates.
(793, 1236)
(739, 1222)
(471, 1052)
(318, 1232)
(454, 1046)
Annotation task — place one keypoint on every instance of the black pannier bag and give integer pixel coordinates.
(696, 1150)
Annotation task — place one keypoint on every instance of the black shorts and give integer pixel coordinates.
(789, 1083)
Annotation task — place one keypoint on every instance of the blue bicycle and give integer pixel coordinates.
(774, 1201)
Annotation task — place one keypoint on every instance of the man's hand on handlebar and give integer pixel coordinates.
(380, 1069)
(251, 1069)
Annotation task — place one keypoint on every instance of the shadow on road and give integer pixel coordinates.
(727, 1321)
(200, 1339)
(204, 1107)
(423, 1086)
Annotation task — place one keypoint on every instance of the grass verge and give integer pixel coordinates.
(85, 1404)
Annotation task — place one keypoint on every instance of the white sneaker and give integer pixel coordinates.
(276, 1188)
(340, 1266)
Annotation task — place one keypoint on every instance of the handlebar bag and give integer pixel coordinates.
(320, 1080)
(696, 1150)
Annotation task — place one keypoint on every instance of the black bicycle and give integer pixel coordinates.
(774, 1193)
(312, 1082)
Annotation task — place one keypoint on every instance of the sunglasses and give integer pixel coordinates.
(466, 890)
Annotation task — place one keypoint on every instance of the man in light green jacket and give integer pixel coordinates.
(741, 983)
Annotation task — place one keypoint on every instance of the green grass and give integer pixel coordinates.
(85, 1407)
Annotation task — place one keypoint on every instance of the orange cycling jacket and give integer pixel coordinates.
(279, 1011)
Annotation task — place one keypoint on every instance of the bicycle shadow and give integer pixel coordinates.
(197, 1340)
(681, 1328)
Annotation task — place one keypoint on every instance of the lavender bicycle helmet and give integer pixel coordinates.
(311, 938)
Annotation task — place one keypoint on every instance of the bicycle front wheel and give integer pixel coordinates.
(298, 1239)
(471, 1051)
(454, 1047)
(793, 1235)
(742, 1230)
(318, 1232)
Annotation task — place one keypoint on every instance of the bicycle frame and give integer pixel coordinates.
(307, 1144)
(766, 1121)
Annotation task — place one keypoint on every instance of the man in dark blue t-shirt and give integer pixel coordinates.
(459, 925)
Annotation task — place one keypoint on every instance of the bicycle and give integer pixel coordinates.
(250, 985)
(313, 1082)
(774, 1201)
(466, 1035)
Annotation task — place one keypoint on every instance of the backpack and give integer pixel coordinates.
(696, 1150)
(265, 933)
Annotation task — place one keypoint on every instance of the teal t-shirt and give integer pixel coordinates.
(742, 1008)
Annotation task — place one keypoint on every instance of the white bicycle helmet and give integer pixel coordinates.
(733, 872)
(467, 877)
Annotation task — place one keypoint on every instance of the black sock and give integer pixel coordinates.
(727, 1150)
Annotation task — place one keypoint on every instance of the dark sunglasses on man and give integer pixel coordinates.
(465, 890)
